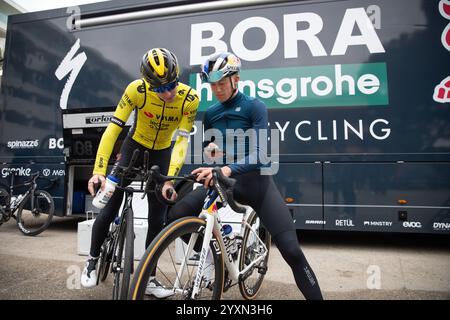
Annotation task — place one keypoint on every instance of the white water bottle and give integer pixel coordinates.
(103, 196)
(13, 201)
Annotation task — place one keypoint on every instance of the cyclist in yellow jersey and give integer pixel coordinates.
(163, 107)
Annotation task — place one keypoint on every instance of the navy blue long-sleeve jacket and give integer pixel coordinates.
(239, 113)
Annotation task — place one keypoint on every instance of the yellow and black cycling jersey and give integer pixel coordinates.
(155, 123)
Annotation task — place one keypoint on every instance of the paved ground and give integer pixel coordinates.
(348, 266)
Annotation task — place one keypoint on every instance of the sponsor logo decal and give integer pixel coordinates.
(442, 90)
(378, 223)
(320, 222)
(344, 223)
(338, 85)
(100, 163)
(441, 225)
(167, 118)
(141, 88)
(54, 143)
(98, 119)
(444, 9)
(55, 172)
(23, 144)
(148, 114)
(20, 171)
(412, 224)
(71, 67)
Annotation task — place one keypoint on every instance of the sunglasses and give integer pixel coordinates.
(167, 87)
(213, 76)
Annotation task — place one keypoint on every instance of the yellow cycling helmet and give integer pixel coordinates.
(159, 67)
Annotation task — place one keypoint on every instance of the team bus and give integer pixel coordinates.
(358, 92)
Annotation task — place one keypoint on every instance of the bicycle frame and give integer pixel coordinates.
(213, 223)
(33, 185)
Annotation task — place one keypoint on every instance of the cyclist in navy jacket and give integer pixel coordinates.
(237, 111)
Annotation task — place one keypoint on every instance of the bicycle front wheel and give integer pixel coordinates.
(250, 283)
(122, 265)
(4, 204)
(35, 213)
(129, 256)
(168, 260)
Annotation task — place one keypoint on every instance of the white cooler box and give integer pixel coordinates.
(140, 209)
(140, 230)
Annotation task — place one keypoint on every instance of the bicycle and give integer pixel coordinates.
(117, 251)
(186, 277)
(34, 208)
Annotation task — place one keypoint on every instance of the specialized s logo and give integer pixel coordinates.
(442, 90)
(70, 66)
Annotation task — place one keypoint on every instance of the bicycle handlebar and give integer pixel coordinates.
(220, 178)
(220, 183)
(33, 177)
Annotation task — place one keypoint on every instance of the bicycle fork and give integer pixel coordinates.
(203, 253)
(205, 248)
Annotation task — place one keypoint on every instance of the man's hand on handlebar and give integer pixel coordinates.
(206, 174)
(95, 182)
(168, 191)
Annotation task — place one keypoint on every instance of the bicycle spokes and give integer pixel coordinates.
(35, 213)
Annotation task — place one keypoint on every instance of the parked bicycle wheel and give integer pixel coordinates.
(163, 259)
(250, 284)
(35, 213)
(123, 261)
(4, 203)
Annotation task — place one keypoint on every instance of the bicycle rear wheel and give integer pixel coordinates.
(250, 283)
(165, 256)
(35, 213)
(104, 262)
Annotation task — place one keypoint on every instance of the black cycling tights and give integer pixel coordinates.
(304, 276)
(262, 195)
(156, 210)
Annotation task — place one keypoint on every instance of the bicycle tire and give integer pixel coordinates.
(104, 262)
(43, 206)
(4, 204)
(248, 290)
(117, 256)
(129, 255)
(156, 254)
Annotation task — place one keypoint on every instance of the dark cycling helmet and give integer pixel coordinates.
(159, 67)
(219, 66)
